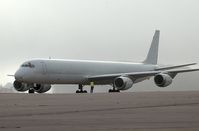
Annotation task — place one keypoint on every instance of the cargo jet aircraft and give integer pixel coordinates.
(38, 75)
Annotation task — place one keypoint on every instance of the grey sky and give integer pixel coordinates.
(118, 30)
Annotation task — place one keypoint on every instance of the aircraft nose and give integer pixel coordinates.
(19, 75)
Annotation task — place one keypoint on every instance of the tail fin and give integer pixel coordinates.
(152, 57)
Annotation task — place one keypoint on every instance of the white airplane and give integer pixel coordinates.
(38, 75)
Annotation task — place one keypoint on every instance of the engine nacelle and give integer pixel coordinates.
(19, 86)
(163, 80)
(42, 88)
(123, 83)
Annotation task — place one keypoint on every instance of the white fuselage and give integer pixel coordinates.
(74, 71)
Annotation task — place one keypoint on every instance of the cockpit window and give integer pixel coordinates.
(28, 65)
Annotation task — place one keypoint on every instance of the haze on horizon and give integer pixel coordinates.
(115, 30)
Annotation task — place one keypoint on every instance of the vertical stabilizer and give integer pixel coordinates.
(152, 57)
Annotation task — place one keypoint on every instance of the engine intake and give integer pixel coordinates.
(19, 86)
(123, 83)
(42, 88)
(163, 80)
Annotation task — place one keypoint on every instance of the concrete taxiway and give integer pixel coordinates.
(157, 111)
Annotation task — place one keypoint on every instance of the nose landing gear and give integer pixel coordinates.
(31, 91)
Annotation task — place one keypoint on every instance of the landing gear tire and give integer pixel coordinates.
(77, 91)
(31, 91)
(113, 91)
(83, 91)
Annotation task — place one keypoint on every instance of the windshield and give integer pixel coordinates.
(28, 65)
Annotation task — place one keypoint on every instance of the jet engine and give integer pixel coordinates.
(163, 80)
(123, 83)
(42, 88)
(19, 86)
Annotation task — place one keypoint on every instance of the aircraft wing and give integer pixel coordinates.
(136, 75)
(173, 67)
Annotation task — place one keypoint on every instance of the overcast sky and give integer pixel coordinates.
(118, 30)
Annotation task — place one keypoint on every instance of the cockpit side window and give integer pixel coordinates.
(30, 65)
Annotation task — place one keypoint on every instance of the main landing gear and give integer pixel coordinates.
(114, 90)
(81, 90)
